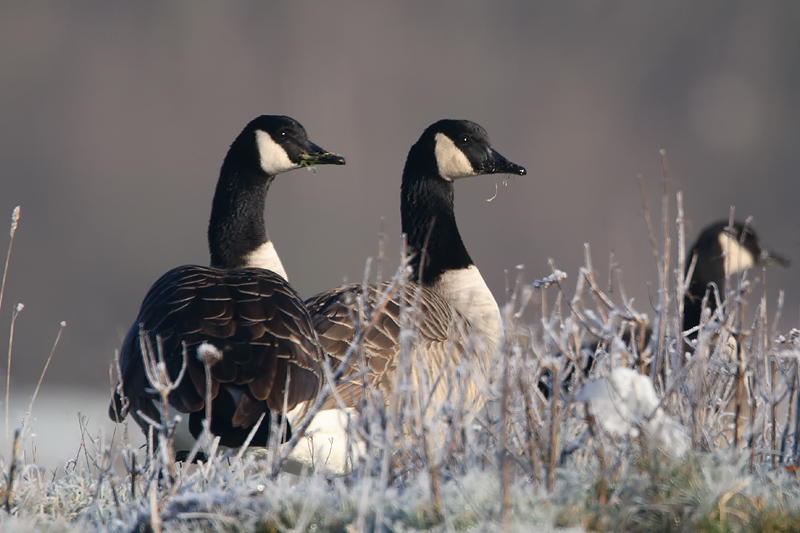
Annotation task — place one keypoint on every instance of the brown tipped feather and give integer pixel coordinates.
(440, 331)
(252, 316)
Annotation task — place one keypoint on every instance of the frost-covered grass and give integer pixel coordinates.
(527, 462)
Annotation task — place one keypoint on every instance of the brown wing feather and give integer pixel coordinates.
(256, 321)
(336, 318)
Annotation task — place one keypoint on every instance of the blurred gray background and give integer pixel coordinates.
(115, 117)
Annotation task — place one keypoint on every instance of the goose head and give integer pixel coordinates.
(269, 145)
(446, 151)
(273, 144)
(722, 251)
(460, 149)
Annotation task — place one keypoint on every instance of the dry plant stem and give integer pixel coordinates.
(731, 216)
(611, 268)
(596, 292)
(209, 356)
(166, 437)
(661, 356)
(157, 376)
(602, 486)
(155, 519)
(44, 370)
(433, 470)
(654, 246)
(125, 404)
(506, 285)
(554, 422)
(788, 422)
(285, 408)
(674, 384)
(776, 319)
(681, 282)
(207, 362)
(116, 498)
(737, 427)
(527, 390)
(543, 300)
(14, 316)
(505, 476)
(101, 473)
(274, 439)
(12, 469)
(14, 222)
(588, 273)
(772, 373)
(133, 476)
(332, 380)
(741, 369)
(574, 303)
(751, 441)
(646, 210)
(381, 251)
(796, 450)
(392, 422)
(250, 436)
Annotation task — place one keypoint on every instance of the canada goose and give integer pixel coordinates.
(450, 296)
(242, 306)
(720, 251)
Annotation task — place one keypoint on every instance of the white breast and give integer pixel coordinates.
(468, 293)
(266, 257)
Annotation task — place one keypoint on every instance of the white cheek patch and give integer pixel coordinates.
(737, 258)
(274, 158)
(267, 258)
(452, 162)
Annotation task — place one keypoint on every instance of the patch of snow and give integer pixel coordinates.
(625, 402)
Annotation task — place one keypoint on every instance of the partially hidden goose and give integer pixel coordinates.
(240, 310)
(720, 251)
(456, 316)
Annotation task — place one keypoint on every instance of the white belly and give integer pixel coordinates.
(326, 444)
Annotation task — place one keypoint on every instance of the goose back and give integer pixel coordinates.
(259, 327)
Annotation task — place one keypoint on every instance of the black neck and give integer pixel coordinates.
(236, 227)
(428, 219)
(705, 272)
(693, 307)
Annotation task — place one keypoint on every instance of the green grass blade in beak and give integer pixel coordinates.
(314, 155)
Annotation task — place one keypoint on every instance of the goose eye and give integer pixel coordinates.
(464, 139)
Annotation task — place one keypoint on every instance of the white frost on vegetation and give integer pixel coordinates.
(455, 470)
(208, 352)
(626, 401)
(556, 277)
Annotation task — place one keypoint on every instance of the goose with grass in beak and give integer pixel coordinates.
(239, 317)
